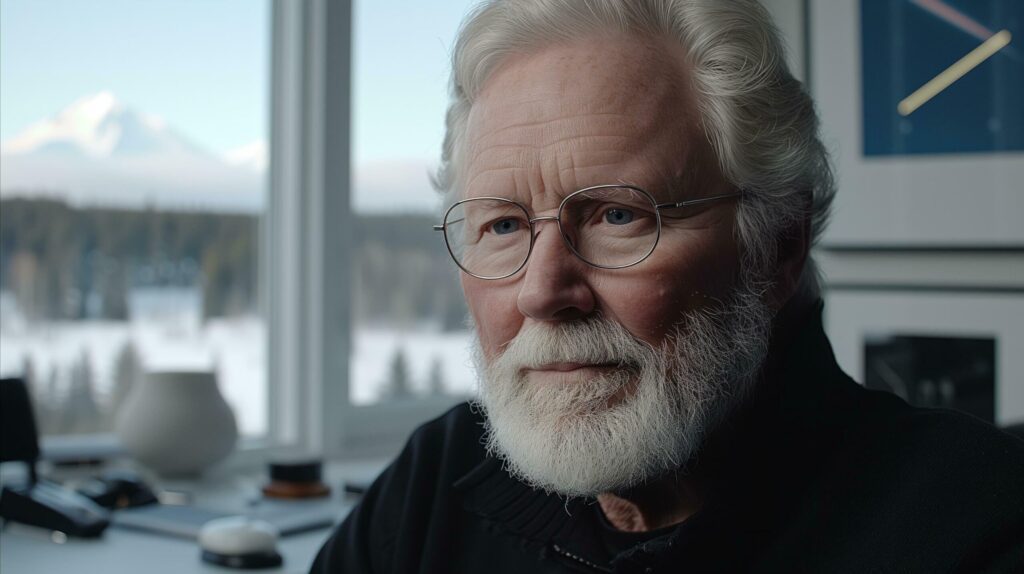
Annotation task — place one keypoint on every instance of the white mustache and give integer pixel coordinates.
(594, 341)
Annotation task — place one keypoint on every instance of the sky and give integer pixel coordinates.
(400, 75)
(203, 66)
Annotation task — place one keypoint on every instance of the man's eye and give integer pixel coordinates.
(618, 216)
(505, 226)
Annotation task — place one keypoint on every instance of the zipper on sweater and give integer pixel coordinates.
(579, 560)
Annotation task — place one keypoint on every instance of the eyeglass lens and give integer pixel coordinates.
(606, 227)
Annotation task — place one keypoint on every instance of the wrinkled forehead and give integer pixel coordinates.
(601, 73)
(571, 115)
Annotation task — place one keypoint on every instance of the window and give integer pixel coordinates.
(347, 218)
(409, 335)
(132, 198)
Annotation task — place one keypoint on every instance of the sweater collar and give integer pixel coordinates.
(490, 492)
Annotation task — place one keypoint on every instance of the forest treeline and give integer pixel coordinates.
(63, 262)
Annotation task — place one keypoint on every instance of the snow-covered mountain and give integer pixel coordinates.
(100, 151)
(98, 126)
(253, 155)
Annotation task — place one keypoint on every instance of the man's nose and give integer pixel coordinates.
(554, 283)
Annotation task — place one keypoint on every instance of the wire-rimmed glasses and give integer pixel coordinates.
(607, 226)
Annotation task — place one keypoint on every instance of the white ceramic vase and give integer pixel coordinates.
(177, 423)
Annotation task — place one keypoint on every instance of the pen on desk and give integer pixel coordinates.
(174, 497)
(356, 487)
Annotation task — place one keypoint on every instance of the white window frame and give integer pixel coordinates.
(308, 245)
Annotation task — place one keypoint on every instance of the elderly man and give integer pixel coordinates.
(634, 187)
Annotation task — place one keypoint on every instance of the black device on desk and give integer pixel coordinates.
(38, 502)
(119, 488)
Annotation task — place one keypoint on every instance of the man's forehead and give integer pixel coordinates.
(603, 112)
(617, 76)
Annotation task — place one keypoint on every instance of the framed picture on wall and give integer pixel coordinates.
(939, 349)
(920, 106)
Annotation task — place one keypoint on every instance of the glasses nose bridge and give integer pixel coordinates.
(541, 218)
(561, 232)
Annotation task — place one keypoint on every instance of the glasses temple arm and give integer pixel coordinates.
(698, 201)
(445, 224)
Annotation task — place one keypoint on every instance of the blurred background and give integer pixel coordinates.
(138, 206)
(134, 189)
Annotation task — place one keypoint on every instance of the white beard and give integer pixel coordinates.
(576, 440)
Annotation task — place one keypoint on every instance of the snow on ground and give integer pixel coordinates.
(236, 348)
(373, 351)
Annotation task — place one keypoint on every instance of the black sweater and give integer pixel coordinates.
(816, 474)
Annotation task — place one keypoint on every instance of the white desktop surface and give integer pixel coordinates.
(25, 549)
(120, 550)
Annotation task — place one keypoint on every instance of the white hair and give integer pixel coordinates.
(759, 119)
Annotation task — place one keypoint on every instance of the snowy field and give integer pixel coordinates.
(373, 351)
(234, 347)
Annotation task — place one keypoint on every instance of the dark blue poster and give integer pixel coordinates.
(942, 76)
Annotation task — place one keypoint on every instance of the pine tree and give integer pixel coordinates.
(81, 413)
(48, 404)
(28, 371)
(435, 380)
(398, 384)
(127, 373)
(114, 292)
(32, 383)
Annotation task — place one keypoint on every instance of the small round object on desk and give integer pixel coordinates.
(239, 542)
(296, 480)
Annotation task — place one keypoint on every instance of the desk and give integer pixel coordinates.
(24, 549)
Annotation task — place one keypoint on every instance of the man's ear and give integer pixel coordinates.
(794, 247)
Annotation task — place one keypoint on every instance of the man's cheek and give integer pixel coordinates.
(497, 321)
(649, 312)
